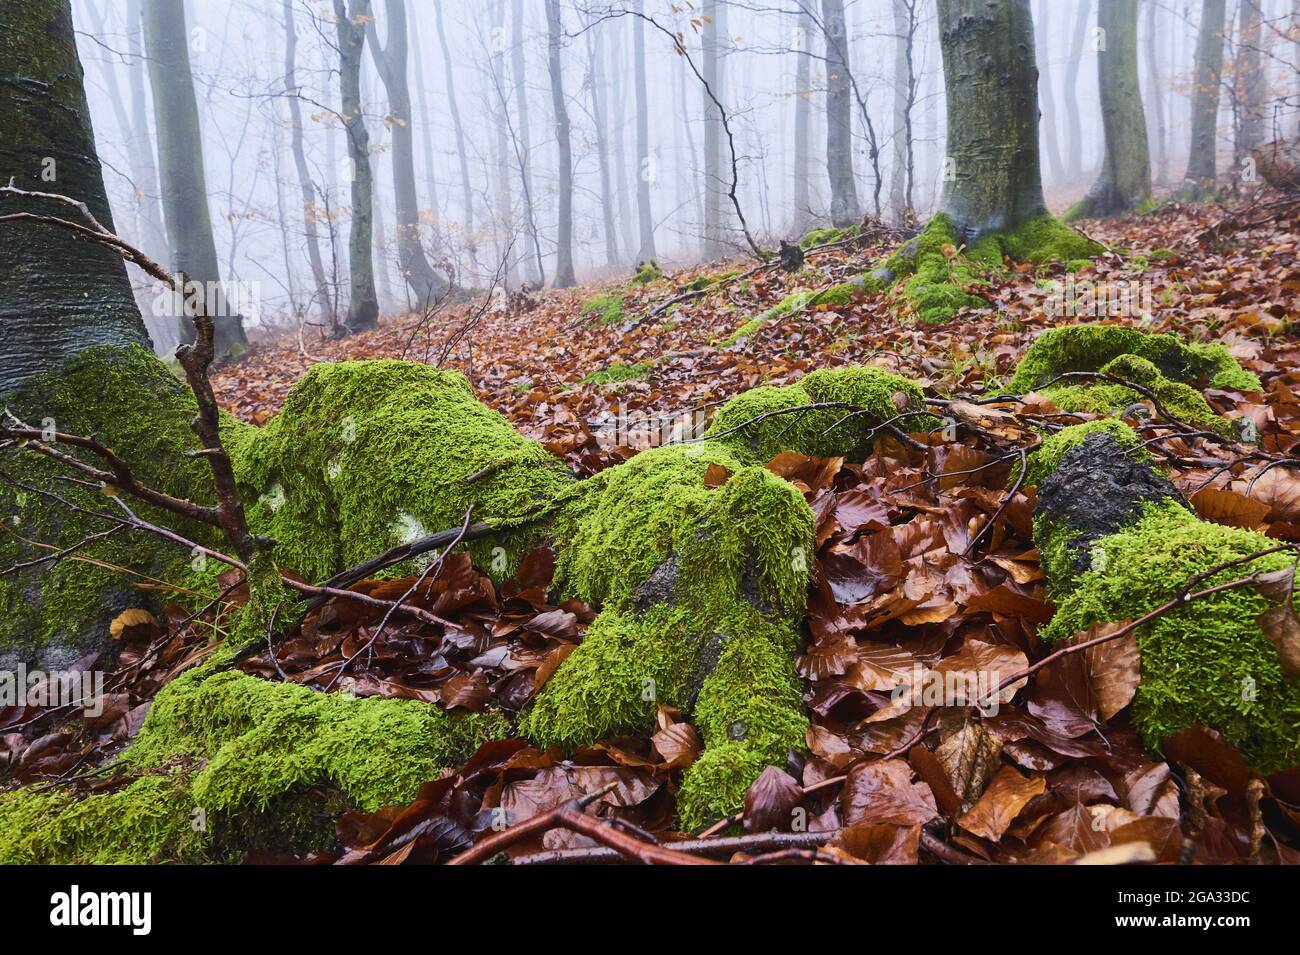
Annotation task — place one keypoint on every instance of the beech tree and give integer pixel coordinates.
(1201, 164)
(564, 276)
(839, 116)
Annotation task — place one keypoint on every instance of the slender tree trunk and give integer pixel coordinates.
(1125, 179)
(58, 294)
(427, 129)
(901, 169)
(503, 194)
(466, 184)
(803, 216)
(564, 277)
(1250, 83)
(1070, 95)
(597, 85)
(991, 81)
(839, 117)
(1157, 96)
(427, 285)
(1055, 168)
(618, 124)
(679, 78)
(306, 187)
(713, 188)
(180, 161)
(1201, 165)
(363, 306)
(645, 170)
(533, 267)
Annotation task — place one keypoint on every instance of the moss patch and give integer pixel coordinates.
(617, 372)
(1181, 401)
(744, 331)
(604, 309)
(647, 272)
(817, 237)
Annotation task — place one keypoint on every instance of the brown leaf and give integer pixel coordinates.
(1207, 752)
(882, 844)
(998, 807)
(1228, 507)
(969, 754)
(678, 745)
(1282, 628)
(883, 792)
(129, 620)
(770, 800)
(1114, 667)
(716, 475)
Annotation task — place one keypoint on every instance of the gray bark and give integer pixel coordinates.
(180, 163)
(426, 124)
(503, 192)
(427, 284)
(1074, 132)
(363, 305)
(564, 277)
(839, 116)
(597, 87)
(1157, 96)
(1250, 82)
(991, 82)
(533, 267)
(58, 294)
(467, 188)
(1046, 96)
(902, 173)
(1201, 165)
(646, 252)
(1125, 179)
(713, 187)
(306, 186)
(802, 98)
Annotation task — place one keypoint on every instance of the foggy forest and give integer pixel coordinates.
(661, 432)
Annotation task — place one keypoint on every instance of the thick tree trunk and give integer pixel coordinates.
(564, 277)
(363, 306)
(991, 81)
(533, 268)
(1055, 167)
(427, 129)
(1156, 88)
(59, 294)
(803, 216)
(839, 116)
(467, 188)
(713, 189)
(1201, 165)
(644, 171)
(1250, 82)
(1070, 95)
(180, 161)
(306, 186)
(427, 285)
(1125, 180)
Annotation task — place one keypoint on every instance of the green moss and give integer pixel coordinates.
(819, 432)
(1047, 458)
(1088, 347)
(1163, 254)
(842, 294)
(647, 272)
(1206, 663)
(53, 613)
(744, 331)
(703, 282)
(1183, 402)
(367, 454)
(1147, 206)
(604, 309)
(826, 236)
(1077, 265)
(616, 372)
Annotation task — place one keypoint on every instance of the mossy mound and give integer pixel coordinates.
(647, 272)
(53, 613)
(367, 454)
(604, 309)
(827, 432)
(1089, 347)
(221, 745)
(816, 237)
(939, 276)
(1181, 401)
(1116, 540)
(617, 372)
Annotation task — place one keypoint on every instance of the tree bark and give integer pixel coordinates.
(645, 217)
(597, 85)
(839, 117)
(1125, 179)
(180, 162)
(713, 187)
(1250, 81)
(306, 186)
(363, 306)
(564, 277)
(803, 216)
(60, 295)
(991, 81)
(503, 193)
(533, 267)
(1201, 165)
(426, 283)
(1055, 167)
(1071, 93)
(467, 188)
(1157, 96)
(900, 177)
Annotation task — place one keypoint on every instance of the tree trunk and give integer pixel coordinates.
(1125, 180)
(803, 216)
(1157, 96)
(1251, 80)
(180, 161)
(533, 267)
(46, 315)
(427, 129)
(506, 233)
(991, 82)
(306, 187)
(427, 285)
(467, 188)
(564, 277)
(713, 190)
(1201, 165)
(597, 85)
(644, 171)
(839, 116)
(363, 306)
(1055, 167)
(1070, 95)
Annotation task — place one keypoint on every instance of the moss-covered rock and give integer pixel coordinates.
(1116, 541)
(647, 272)
(826, 236)
(1182, 402)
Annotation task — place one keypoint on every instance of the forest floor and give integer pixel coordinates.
(924, 560)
